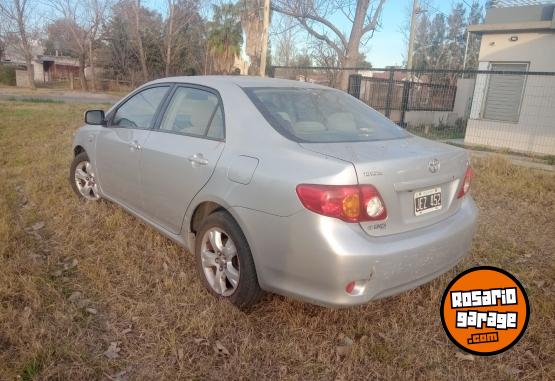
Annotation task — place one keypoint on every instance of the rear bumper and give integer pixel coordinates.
(312, 257)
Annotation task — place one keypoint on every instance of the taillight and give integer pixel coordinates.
(465, 187)
(350, 203)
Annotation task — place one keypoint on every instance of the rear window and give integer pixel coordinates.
(321, 115)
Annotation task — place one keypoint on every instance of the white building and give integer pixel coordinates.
(513, 111)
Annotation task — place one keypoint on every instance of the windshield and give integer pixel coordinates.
(321, 115)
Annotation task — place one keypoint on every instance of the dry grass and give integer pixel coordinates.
(56, 91)
(148, 299)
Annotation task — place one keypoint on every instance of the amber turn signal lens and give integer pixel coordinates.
(351, 206)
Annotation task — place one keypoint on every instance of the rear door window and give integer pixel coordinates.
(193, 111)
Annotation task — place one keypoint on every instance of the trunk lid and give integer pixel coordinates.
(399, 168)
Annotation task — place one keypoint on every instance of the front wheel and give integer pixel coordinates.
(83, 179)
(225, 262)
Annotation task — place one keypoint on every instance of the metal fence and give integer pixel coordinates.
(505, 107)
(409, 95)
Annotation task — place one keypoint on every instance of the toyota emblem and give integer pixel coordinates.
(433, 165)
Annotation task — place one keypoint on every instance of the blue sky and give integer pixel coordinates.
(388, 46)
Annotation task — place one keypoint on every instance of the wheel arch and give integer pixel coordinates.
(203, 209)
(78, 149)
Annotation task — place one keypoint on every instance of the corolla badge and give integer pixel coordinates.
(433, 165)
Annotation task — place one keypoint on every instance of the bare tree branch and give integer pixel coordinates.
(363, 19)
(18, 13)
(320, 36)
(310, 16)
(374, 21)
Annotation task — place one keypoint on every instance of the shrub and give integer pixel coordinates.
(7, 75)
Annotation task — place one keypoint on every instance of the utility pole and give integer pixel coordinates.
(466, 50)
(415, 12)
(265, 27)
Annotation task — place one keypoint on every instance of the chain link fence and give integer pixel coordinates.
(506, 107)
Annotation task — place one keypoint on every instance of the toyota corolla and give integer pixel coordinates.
(280, 186)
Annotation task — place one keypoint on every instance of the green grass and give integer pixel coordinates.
(31, 370)
(7, 75)
(439, 131)
(35, 100)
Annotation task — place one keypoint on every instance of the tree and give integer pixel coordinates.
(440, 43)
(430, 45)
(252, 14)
(438, 47)
(189, 57)
(79, 23)
(2, 39)
(184, 35)
(97, 10)
(168, 41)
(313, 15)
(224, 37)
(76, 37)
(137, 9)
(120, 52)
(16, 16)
(456, 25)
(285, 44)
(152, 36)
(130, 53)
(474, 17)
(58, 39)
(422, 42)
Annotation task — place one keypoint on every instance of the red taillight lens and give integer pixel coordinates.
(465, 187)
(351, 203)
(350, 287)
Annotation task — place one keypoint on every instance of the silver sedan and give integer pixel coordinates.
(280, 186)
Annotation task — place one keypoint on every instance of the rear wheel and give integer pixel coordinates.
(83, 178)
(225, 262)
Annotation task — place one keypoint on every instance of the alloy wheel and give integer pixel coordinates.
(220, 262)
(85, 181)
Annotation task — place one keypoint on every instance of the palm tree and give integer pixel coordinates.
(225, 37)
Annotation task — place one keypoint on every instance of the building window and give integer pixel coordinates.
(504, 92)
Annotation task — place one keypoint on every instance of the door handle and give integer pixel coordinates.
(198, 159)
(135, 146)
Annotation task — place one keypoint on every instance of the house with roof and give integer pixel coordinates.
(46, 68)
(514, 107)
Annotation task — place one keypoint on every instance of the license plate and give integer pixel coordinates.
(427, 201)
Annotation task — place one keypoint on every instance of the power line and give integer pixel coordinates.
(468, 5)
(437, 10)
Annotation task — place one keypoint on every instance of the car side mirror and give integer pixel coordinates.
(95, 117)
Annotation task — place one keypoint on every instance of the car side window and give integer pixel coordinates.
(193, 111)
(216, 129)
(139, 110)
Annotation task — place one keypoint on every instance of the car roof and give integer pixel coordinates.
(239, 80)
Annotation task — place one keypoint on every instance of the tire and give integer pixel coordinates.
(83, 179)
(247, 291)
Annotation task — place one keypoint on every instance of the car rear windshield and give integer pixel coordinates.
(321, 115)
